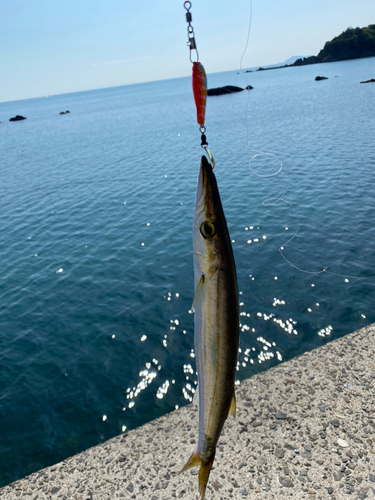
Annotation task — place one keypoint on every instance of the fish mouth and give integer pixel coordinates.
(206, 175)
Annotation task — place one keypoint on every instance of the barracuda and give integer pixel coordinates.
(216, 321)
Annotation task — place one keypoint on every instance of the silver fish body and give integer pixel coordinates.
(216, 322)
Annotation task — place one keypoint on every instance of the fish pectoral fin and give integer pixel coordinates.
(232, 408)
(198, 293)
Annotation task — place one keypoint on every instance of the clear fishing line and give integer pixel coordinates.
(275, 200)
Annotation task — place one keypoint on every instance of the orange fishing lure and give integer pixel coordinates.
(200, 91)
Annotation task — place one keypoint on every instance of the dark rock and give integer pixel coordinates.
(318, 78)
(244, 492)
(66, 112)
(55, 489)
(249, 87)
(369, 81)
(335, 422)
(62, 113)
(17, 118)
(280, 416)
(227, 89)
(217, 485)
(130, 488)
(279, 453)
(372, 478)
(330, 490)
(286, 482)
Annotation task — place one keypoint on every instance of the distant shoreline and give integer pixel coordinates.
(353, 43)
(294, 65)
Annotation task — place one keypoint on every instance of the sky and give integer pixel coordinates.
(52, 47)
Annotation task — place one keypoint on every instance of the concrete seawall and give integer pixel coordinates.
(304, 430)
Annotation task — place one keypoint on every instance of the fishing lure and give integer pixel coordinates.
(199, 83)
(200, 92)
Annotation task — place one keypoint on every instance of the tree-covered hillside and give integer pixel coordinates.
(353, 43)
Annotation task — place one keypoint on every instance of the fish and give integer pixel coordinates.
(216, 321)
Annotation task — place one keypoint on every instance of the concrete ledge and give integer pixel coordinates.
(304, 430)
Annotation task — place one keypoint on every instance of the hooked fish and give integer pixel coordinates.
(216, 321)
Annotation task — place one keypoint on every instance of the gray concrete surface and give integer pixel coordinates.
(304, 430)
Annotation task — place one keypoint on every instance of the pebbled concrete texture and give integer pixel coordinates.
(304, 430)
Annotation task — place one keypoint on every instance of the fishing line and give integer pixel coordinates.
(275, 200)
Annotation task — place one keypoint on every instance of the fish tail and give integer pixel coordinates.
(204, 471)
(193, 461)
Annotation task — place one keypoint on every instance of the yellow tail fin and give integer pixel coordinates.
(204, 471)
(192, 462)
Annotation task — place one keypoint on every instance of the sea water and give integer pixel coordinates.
(96, 207)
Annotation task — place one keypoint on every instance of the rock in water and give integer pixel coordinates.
(17, 118)
(227, 89)
(318, 78)
(369, 81)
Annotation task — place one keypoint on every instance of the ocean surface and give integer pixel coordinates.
(96, 208)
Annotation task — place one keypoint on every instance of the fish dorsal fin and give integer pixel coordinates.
(232, 408)
(198, 293)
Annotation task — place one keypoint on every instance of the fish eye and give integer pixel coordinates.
(207, 229)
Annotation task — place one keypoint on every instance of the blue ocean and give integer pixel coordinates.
(96, 208)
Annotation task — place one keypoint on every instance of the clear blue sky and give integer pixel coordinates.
(59, 46)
